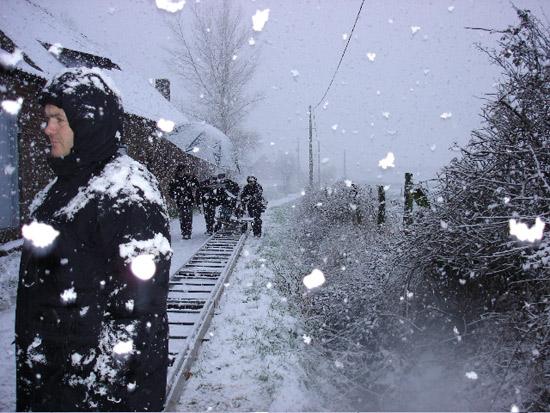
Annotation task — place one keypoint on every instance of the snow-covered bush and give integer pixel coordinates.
(463, 254)
(351, 319)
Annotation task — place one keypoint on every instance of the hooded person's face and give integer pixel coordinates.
(58, 131)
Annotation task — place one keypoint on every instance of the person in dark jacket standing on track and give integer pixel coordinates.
(209, 201)
(253, 201)
(183, 189)
(228, 194)
(91, 326)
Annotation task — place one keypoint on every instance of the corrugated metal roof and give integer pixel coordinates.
(206, 142)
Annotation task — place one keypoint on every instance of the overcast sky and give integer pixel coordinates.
(392, 103)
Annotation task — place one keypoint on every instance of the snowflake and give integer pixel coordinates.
(314, 280)
(171, 6)
(387, 162)
(472, 375)
(260, 19)
(12, 106)
(523, 233)
(166, 125)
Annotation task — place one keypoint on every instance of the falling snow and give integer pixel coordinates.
(69, 296)
(39, 234)
(165, 125)
(387, 162)
(523, 233)
(10, 60)
(143, 266)
(472, 375)
(9, 169)
(12, 106)
(260, 19)
(171, 6)
(315, 279)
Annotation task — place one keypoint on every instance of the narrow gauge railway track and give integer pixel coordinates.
(195, 290)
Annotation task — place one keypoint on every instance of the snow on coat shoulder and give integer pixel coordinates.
(40, 196)
(158, 245)
(123, 180)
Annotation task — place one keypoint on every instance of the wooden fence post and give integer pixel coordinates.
(381, 205)
(407, 215)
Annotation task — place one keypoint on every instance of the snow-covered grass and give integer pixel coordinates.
(251, 361)
(9, 270)
(9, 273)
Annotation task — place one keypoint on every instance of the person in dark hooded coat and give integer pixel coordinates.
(228, 193)
(252, 199)
(91, 325)
(184, 190)
(208, 195)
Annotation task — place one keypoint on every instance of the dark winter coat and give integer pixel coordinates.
(209, 193)
(183, 190)
(252, 196)
(228, 193)
(90, 333)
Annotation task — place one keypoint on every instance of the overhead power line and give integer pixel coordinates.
(343, 54)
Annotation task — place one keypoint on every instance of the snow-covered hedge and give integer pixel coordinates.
(352, 320)
(465, 254)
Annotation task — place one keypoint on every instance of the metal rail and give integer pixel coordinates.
(195, 290)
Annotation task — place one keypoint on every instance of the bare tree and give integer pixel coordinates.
(217, 63)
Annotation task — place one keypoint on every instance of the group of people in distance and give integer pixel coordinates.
(217, 193)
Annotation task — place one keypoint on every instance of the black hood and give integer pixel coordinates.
(95, 115)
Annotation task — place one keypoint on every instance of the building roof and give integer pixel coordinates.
(206, 142)
(32, 28)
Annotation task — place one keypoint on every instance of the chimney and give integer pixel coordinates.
(163, 86)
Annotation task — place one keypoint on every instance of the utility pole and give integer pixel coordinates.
(298, 167)
(407, 216)
(319, 162)
(310, 150)
(345, 166)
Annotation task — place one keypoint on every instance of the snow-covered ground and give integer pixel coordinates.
(185, 248)
(9, 268)
(250, 361)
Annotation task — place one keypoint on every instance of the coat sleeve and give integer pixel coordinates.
(245, 194)
(135, 239)
(173, 189)
(134, 335)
